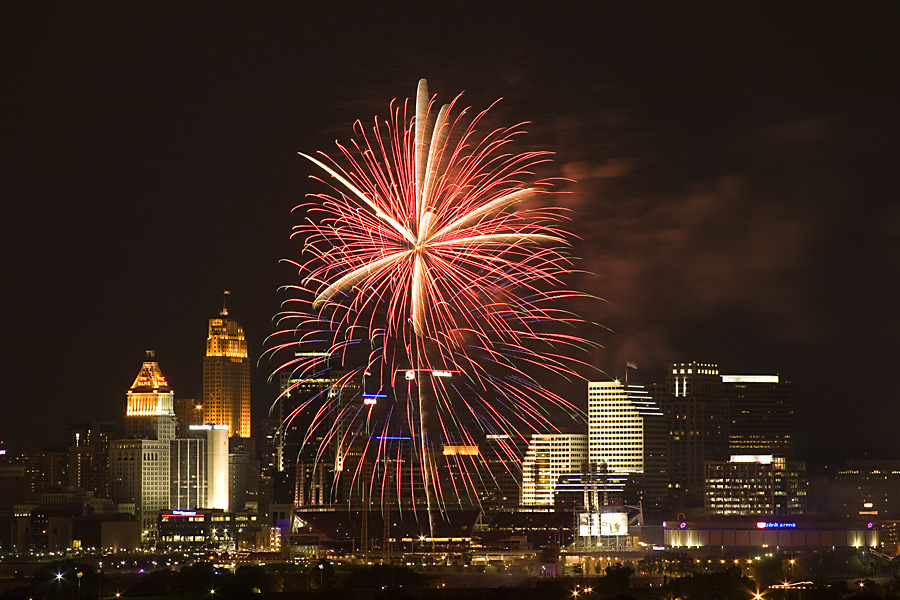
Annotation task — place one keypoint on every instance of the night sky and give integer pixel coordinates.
(735, 182)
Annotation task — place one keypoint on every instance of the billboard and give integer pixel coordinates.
(602, 524)
(614, 523)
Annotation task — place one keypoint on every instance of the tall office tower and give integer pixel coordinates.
(759, 484)
(761, 410)
(187, 473)
(627, 433)
(502, 456)
(188, 411)
(550, 455)
(226, 376)
(88, 460)
(216, 464)
(697, 417)
(150, 404)
(199, 469)
(307, 476)
(243, 475)
(139, 466)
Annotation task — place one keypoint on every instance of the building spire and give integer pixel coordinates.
(225, 295)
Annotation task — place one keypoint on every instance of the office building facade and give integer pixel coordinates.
(549, 456)
(755, 485)
(226, 376)
(697, 418)
(139, 465)
(627, 435)
(761, 414)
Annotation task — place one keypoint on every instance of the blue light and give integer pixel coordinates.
(389, 437)
(774, 525)
(374, 395)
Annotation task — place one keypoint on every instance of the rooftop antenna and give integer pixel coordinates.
(225, 295)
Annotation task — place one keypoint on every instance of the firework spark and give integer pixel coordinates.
(434, 269)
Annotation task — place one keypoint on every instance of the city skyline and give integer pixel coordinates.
(732, 189)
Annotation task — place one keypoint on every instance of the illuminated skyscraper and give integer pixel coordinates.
(226, 376)
(627, 434)
(139, 466)
(550, 455)
(697, 415)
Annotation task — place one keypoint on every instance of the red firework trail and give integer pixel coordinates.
(433, 268)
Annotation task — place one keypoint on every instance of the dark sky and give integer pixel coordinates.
(735, 186)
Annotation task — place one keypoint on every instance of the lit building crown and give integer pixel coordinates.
(226, 338)
(150, 395)
(150, 378)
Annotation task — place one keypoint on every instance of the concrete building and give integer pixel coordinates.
(226, 376)
(139, 465)
(697, 418)
(88, 456)
(627, 434)
(754, 485)
(550, 455)
(761, 414)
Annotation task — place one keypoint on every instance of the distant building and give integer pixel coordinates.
(755, 485)
(697, 417)
(502, 456)
(867, 489)
(226, 376)
(761, 414)
(199, 470)
(550, 455)
(139, 465)
(188, 478)
(88, 456)
(188, 411)
(627, 434)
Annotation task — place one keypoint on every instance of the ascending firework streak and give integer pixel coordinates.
(431, 249)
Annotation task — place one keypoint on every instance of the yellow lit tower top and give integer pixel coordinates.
(149, 411)
(226, 375)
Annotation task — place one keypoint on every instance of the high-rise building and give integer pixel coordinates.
(502, 456)
(226, 376)
(187, 473)
(761, 410)
(550, 455)
(150, 404)
(139, 465)
(188, 411)
(199, 469)
(627, 434)
(88, 456)
(697, 417)
(749, 485)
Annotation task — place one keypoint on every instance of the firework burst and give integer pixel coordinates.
(432, 275)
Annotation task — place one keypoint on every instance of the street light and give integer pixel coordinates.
(78, 574)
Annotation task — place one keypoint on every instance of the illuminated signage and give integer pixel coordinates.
(185, 513)
(493, 436)
(372, 399)
(763, 459)
(441, 374)
(749, 378)
(774, 525)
